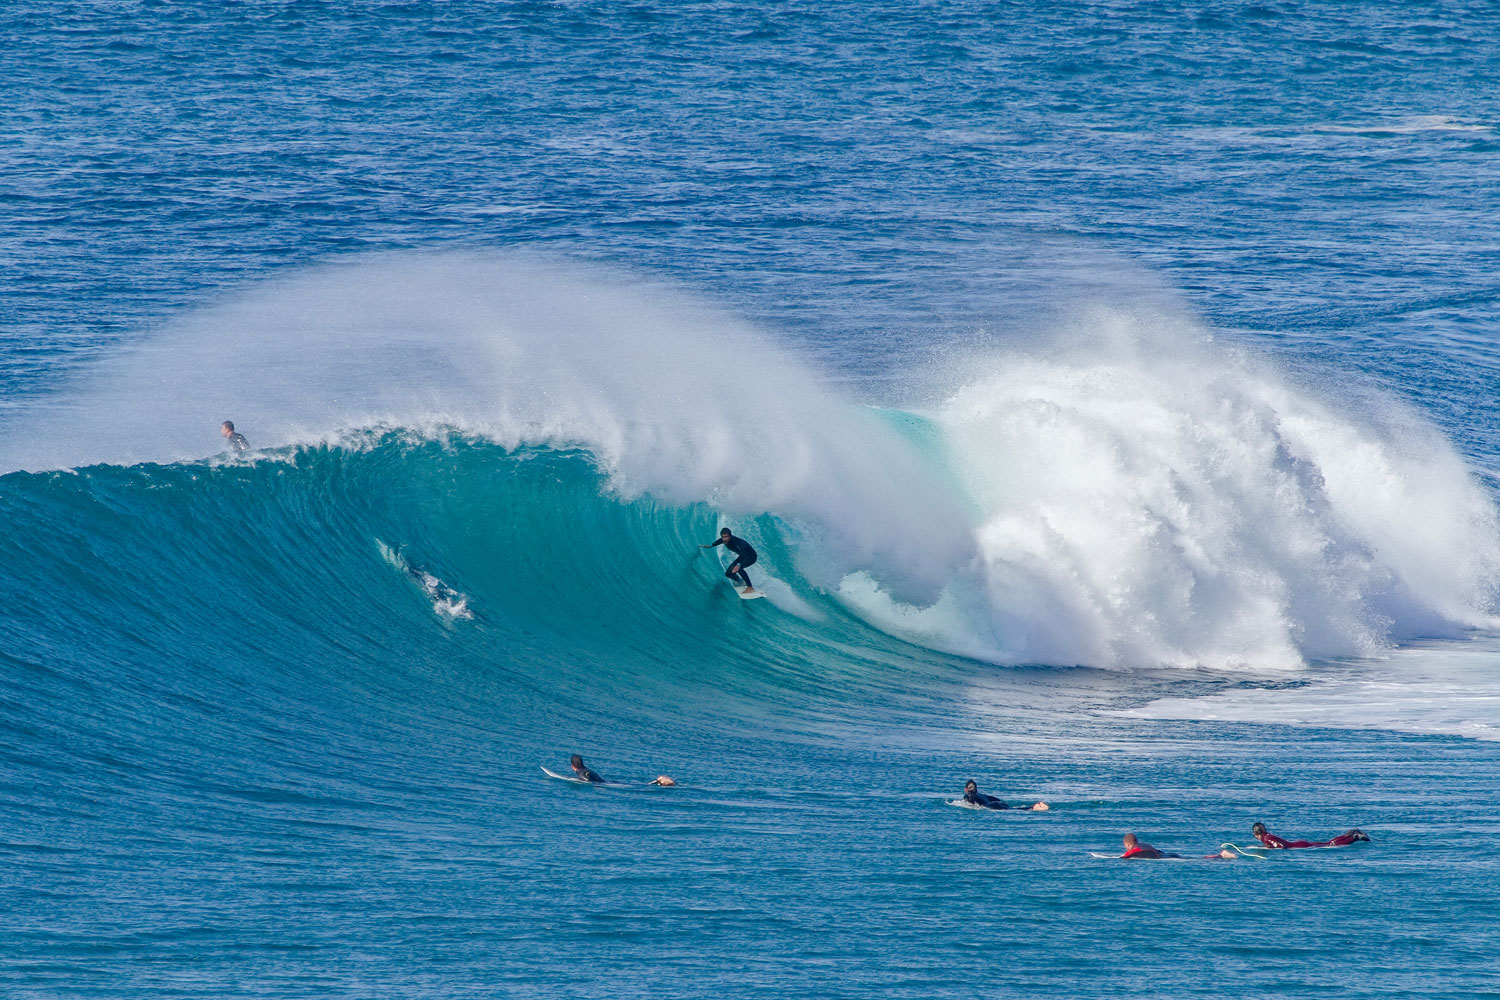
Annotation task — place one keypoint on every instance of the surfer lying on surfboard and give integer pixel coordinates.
(585, 775)
(1271, 840)
(580, 769)
(744, 554)
(974, 797)
(1145, 852)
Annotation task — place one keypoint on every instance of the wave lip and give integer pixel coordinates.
(1133, 496)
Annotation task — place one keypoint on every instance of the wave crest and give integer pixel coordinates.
(1140, 498)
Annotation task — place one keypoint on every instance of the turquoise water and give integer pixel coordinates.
(1110, 392)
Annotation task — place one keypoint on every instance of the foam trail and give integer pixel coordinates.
(1429, 689)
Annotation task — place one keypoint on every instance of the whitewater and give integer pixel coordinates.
(1131, 495)
(1109, 393)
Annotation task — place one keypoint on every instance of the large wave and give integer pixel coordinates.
(1136, 495)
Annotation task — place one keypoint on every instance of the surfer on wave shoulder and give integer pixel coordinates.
(582, 770)
(744, 556)
(1271, 840)
(974, 797)
(237, 442)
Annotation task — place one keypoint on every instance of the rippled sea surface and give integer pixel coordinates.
(251, 746)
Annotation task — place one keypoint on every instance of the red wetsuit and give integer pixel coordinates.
(1143, 851)
(1271, 840)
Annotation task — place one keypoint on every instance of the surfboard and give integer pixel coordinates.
(1015, 809)
(1121, 857)
(1262, 852)
(1258, 853)
(566, 777)
(750, 596)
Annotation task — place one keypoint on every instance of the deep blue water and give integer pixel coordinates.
(1109, 389)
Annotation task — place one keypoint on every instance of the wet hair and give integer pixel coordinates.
(228, 423)
(968, 783)
(725, 531)
(1258, 829)
(577, 761)
(1130, 838)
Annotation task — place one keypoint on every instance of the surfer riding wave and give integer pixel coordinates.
(744, 556)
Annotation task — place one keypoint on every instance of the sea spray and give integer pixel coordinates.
(1147, 497)
(1132, 495)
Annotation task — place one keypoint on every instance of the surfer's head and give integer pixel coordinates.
(1258, 830)
(970, 787)
(1130, 841)
(725, 533)
(226, 428)
(577, 762)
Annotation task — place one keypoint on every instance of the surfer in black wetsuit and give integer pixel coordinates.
(237, 442)
(583, 771)
(974, 797)
(744, 554)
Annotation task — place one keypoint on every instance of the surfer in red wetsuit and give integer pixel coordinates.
(1271, 840)
(1135, 849)
(1145, 852)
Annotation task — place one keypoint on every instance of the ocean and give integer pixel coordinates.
(1109, 390)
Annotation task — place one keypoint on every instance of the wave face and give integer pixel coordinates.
(1134, 495)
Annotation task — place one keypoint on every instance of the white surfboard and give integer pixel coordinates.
(566, 777)
(750, 596)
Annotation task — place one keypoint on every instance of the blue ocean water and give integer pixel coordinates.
(1110, 391)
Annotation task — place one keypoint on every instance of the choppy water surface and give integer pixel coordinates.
(1110, 392)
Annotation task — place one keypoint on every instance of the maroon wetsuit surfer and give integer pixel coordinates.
(1271, 840)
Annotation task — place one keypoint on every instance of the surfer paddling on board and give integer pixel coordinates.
(237, 442)
(974, 797)
(582, 770)
(1134, 849)
(744, 555)
(1271, 840)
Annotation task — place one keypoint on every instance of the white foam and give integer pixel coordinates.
(1440, 689)
(1411, 125)
(1135, 496)
(673, 398)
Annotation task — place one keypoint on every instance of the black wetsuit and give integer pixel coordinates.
(237, 443)
(587, 774)
(978, 798)
(744, 556)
